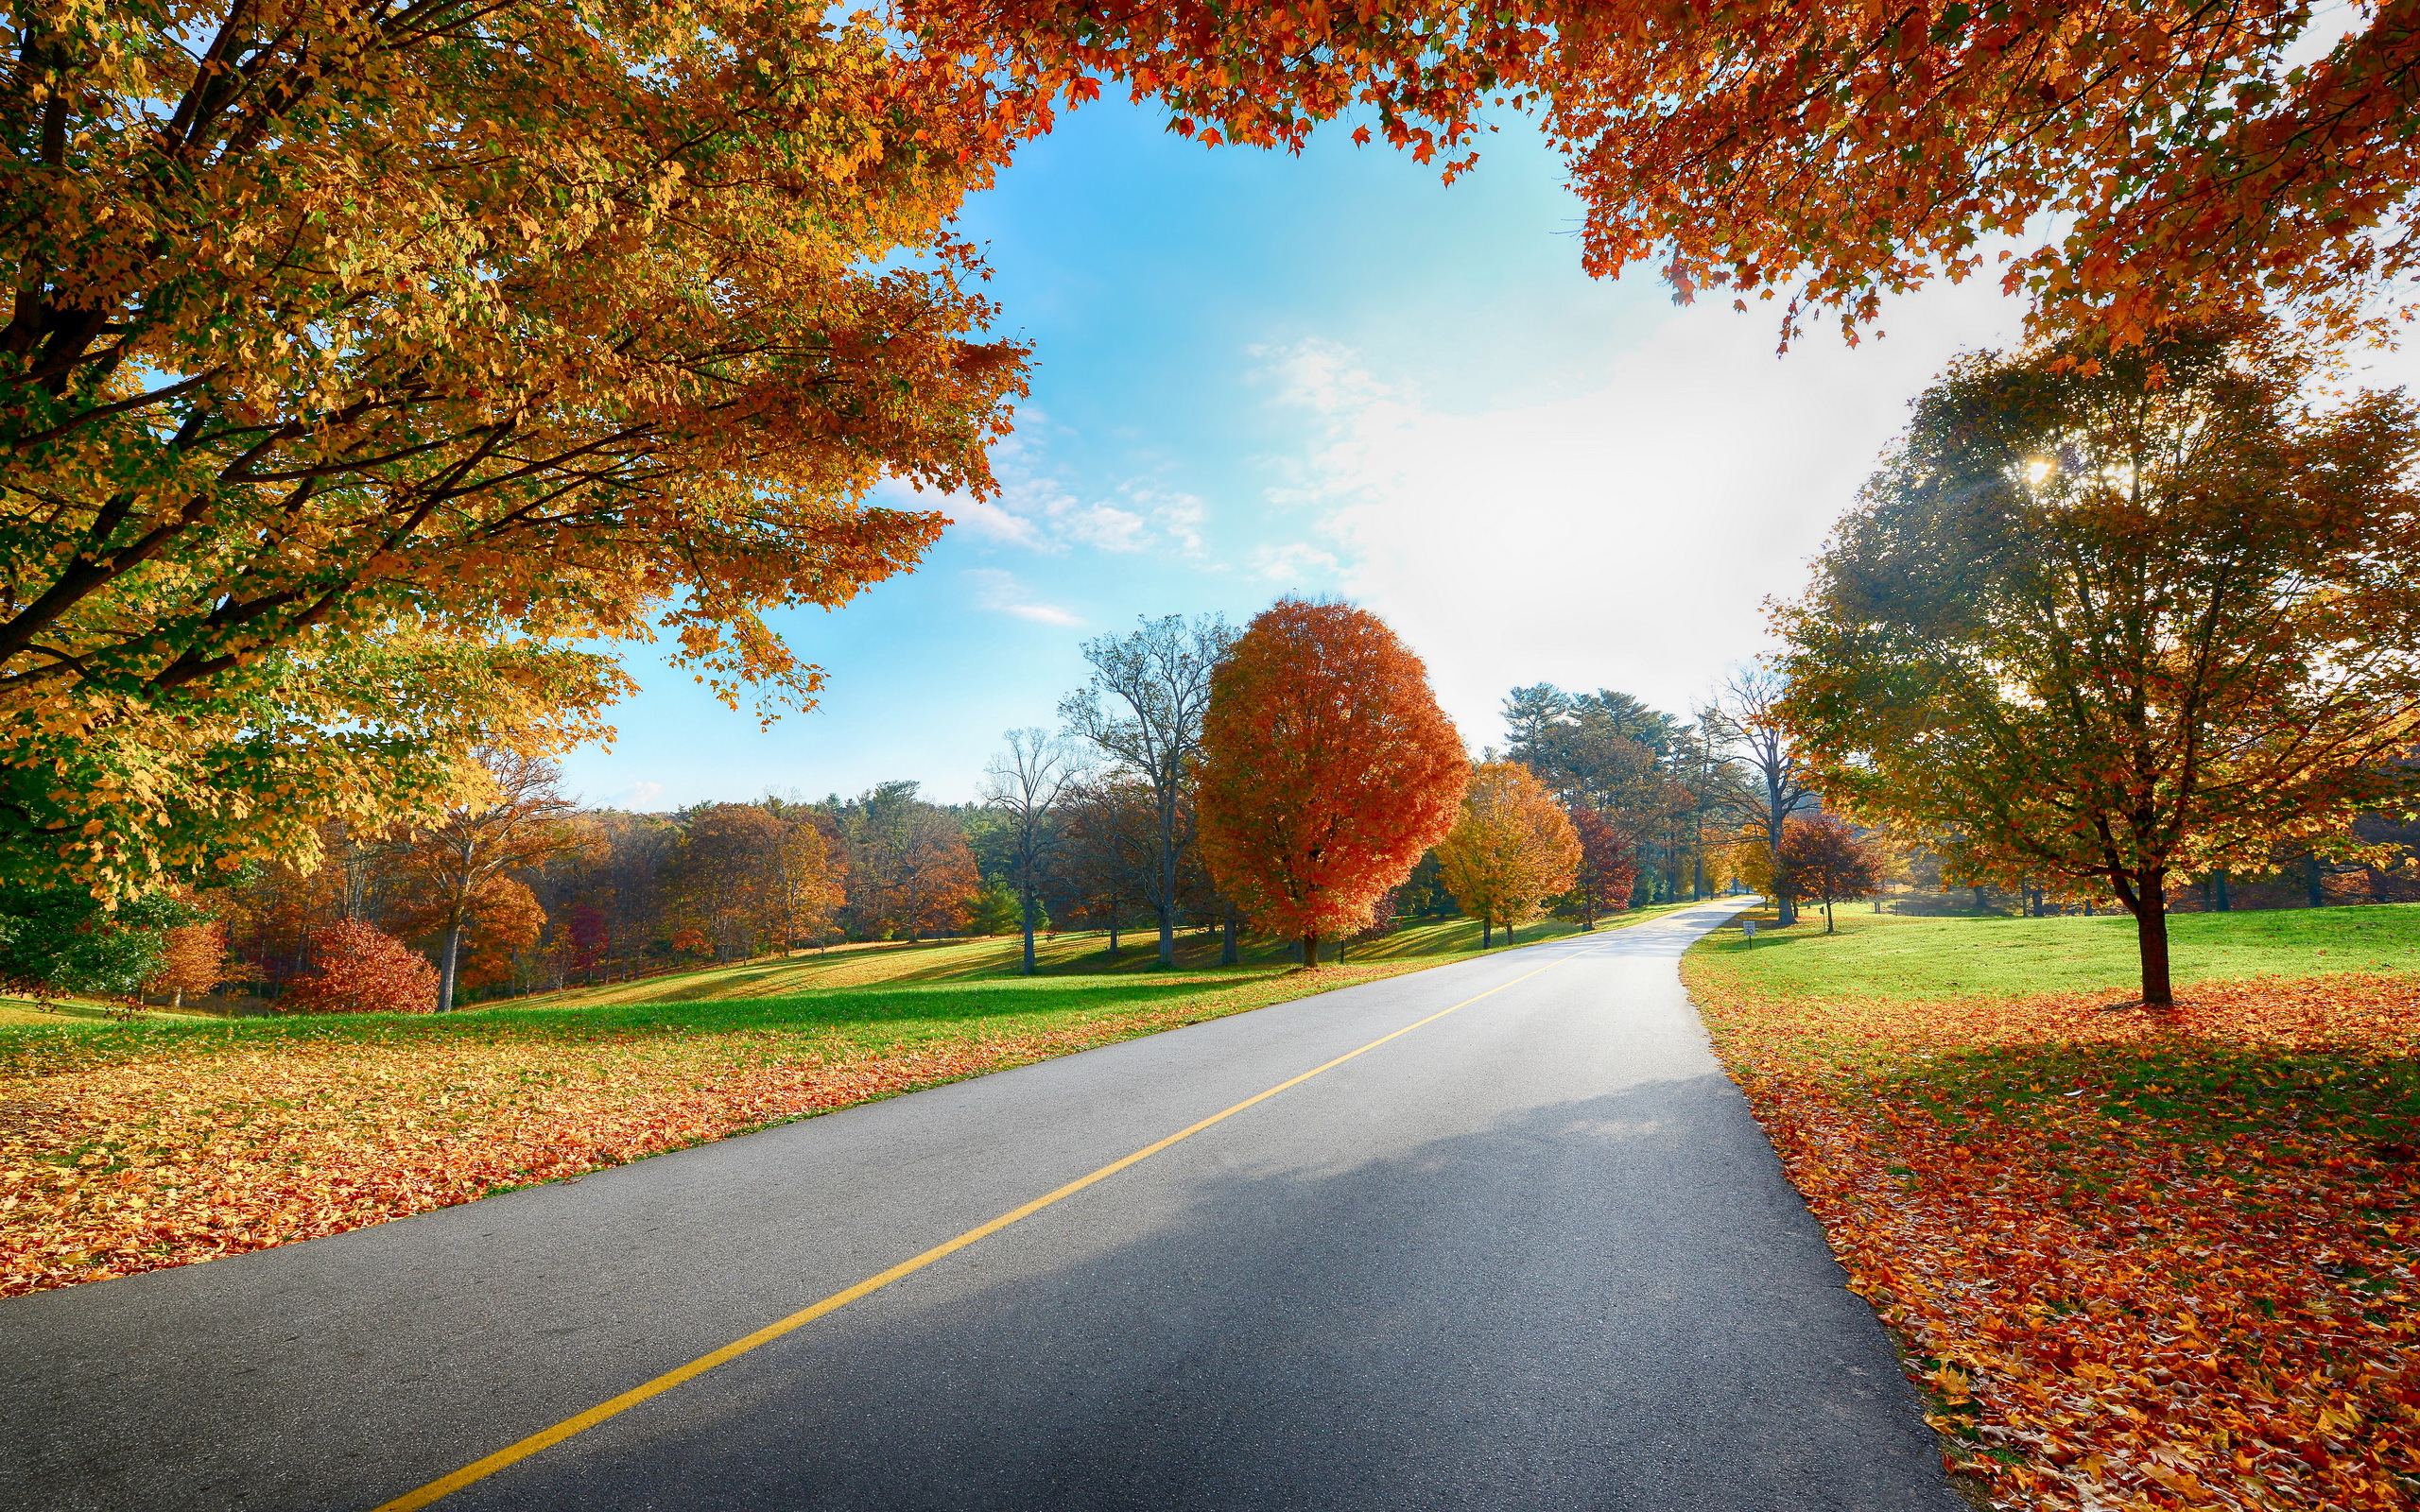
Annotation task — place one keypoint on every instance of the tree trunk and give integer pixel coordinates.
(2150, 939)
(1168, 871)
(1227, 949)
(1785, 910)
(1486, 934)
(446, 971)
(2310, 880)
(1507, 932)
(1028, 929)
(1310, 950)
(1828, 916)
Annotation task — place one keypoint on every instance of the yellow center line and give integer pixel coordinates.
(512, 1454)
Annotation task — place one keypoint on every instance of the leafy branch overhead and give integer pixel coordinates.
(357, 352)
(2126, 162)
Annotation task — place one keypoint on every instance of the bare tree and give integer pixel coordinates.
(1143, 707)
(1745, 723)
(1028, 781)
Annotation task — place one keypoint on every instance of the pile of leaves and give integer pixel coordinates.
(185, 1150)
(2135, 1260)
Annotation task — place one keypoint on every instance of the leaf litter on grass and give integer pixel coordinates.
(132, 1155)
(2136, 1259)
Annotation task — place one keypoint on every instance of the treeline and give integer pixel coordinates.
(530, 893)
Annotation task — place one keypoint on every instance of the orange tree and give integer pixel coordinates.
(454, 870)
(1825, 861)
(1511, 848)
(360, 968)
(364, 360)
(1326, 769)
(2179, 158)
(2105, 618)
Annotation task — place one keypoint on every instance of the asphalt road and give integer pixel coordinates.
(1534, 1254)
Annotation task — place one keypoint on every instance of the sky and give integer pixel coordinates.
(1257, 374)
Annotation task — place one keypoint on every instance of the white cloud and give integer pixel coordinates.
(1035, 509)
(989, 520)
(639, 795)
(1624, 536)
(1103, 525)
(1001, 591)
(1178, 516)
(1294, 562)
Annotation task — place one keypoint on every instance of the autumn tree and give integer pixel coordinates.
(1326, 769)
(523, 822)
(1144, 709)
(1825, 861)
(503, 926)
(193, 957)
(362, 362)
(910, 870)
(1111, 848)
(1634, 765)
(2106, 617)
(361, 968)
(1607, 870)
(610, 900)
(1026, 783)
(1771, 779)
(1510, 850)
(752, 879)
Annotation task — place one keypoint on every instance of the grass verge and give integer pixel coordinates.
(2135, 1260)
(131, 1146)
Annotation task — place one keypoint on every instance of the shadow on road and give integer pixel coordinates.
(1444, 1328)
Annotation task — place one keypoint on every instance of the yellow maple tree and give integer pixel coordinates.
(1511, 849)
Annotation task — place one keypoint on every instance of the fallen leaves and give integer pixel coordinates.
(169, 1158)
(2138, 1260)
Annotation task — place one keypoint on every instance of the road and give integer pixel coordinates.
(1530, 1254)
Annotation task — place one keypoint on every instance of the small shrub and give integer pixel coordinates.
(363, 970)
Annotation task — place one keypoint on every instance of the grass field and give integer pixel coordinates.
(128, 1146)
(2137, 1258)
(1899, 956)
(1075, 954)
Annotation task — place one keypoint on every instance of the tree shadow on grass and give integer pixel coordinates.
(887, 1003)
(1047, 1001)
(2201, 1090)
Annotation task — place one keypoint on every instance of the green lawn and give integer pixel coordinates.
(856, 1000)
(1898, 956)
(1073, 953)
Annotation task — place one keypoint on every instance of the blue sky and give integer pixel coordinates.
(1326, 374)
